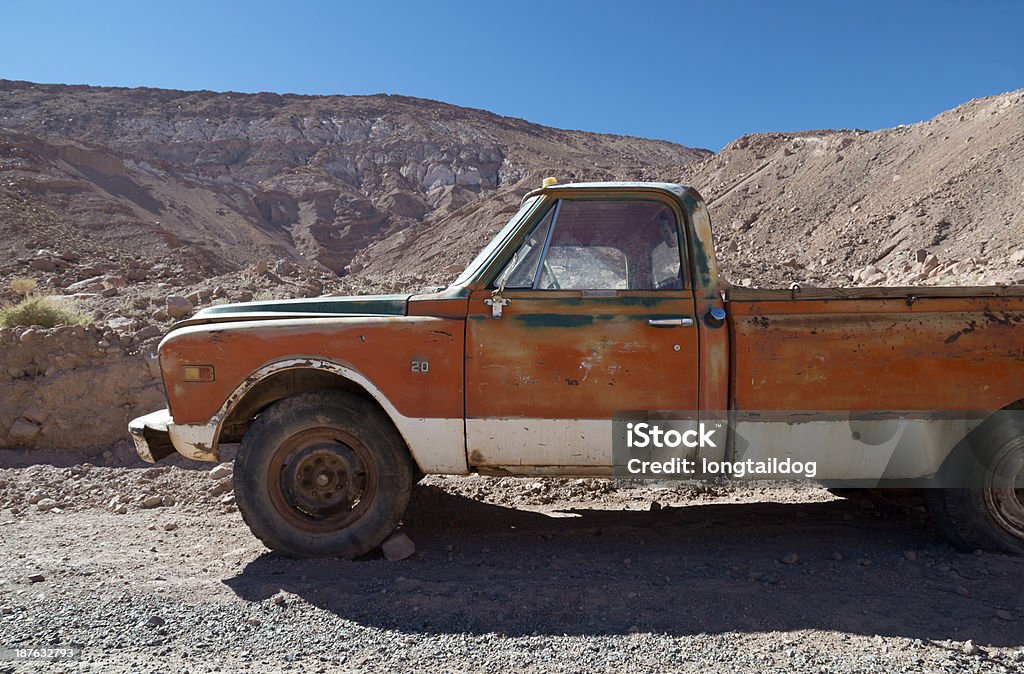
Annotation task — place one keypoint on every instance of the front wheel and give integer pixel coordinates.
(322, 474)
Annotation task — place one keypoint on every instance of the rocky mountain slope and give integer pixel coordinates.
(216, 181)
(139, 205)
(941, 201)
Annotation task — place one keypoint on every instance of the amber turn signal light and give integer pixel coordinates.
(197, 373)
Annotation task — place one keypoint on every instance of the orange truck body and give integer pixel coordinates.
(531, 387)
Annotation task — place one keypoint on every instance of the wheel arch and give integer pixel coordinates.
(281, 379)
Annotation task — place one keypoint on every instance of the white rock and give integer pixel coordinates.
(221, 471)
(46, 504)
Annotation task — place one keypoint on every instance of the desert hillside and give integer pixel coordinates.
(821, 206)
(138, 206)
(218, 181)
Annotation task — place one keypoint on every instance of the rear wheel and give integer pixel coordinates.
(322, 474)
(990, 513)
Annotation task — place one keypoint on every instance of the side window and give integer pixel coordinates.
(599, 245)
(521, 270)
(613, 245)
(665, 253)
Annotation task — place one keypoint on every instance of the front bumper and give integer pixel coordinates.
(156, 437)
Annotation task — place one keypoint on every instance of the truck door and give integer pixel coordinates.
(595, 316)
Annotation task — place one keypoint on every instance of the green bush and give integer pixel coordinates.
(37, 310)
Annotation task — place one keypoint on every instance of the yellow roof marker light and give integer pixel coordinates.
(549, 181)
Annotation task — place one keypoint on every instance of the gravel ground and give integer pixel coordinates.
(508, 575)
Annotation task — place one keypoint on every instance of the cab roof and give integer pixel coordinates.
(673, 188)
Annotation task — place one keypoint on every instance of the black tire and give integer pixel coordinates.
(322, 474)
(984, 507)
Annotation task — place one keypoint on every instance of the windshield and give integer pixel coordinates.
(492, 247)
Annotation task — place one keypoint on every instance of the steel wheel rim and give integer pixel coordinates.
(1004, 491)
(322, 479)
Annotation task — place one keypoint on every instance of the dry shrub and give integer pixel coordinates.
(43, 311)
(23, 286)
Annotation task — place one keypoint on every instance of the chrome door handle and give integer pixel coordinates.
(684, 322)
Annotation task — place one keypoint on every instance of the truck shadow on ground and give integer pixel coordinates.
(715, 568)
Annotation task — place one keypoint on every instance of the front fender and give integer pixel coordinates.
(411, 365)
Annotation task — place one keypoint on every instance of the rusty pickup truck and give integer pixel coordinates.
(595, 300)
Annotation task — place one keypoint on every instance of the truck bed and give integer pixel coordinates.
(918, 348)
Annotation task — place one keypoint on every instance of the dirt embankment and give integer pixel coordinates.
(72, 387)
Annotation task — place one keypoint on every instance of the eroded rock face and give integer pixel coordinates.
(232, 178)
(66, 388)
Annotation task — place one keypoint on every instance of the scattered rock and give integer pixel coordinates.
(23, 431)
(398, 547)
(178, 306)
(790, 559)
(36, 578)
(1003, 614)
(221, 471)
(222, 487)
(152, 501)
(46, 504)
(148, 332)
(42, 264)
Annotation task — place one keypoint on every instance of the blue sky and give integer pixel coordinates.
(696, 73)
